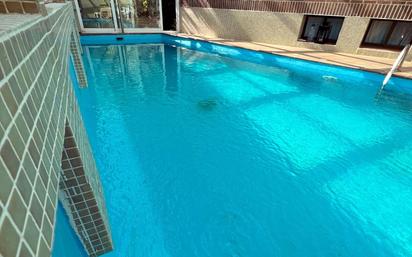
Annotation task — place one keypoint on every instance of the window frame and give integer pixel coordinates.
(325, 17)
(385, 45)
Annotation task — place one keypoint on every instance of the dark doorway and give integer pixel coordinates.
(169, 14)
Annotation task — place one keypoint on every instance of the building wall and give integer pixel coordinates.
(351, 35)
(268, 27)
(280, 22)
(39, 120)
(383, 9)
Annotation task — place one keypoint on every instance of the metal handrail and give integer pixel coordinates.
(396, 65)
(119, 15)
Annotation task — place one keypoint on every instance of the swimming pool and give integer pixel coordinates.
(66, 243)
(230, 152)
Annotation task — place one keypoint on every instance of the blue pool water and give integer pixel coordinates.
(206, 155)
(66, 243)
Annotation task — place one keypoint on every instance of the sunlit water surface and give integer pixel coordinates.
(203, 155)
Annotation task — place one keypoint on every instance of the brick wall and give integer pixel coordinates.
(387, 9)
(39, 116)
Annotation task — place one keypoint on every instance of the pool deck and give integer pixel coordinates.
(362, 62)
(11, 22)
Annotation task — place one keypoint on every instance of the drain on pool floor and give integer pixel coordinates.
(207, 104)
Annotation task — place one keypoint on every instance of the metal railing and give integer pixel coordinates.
(396, 66)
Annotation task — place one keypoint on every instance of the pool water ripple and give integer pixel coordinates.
(205, 155)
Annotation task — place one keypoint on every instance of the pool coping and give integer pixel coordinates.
(259, 48)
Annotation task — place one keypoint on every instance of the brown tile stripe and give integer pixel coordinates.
(19, 6)
(400, 10)
(75, 50)
(87, 215)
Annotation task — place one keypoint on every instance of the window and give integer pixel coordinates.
(388, 34)
(321, 29)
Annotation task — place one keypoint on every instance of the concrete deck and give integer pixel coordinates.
(12, 22)
(362, 62)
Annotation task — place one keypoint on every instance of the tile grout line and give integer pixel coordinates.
(14, 188)
(28, 93)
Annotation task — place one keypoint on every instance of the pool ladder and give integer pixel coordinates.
(395, 66)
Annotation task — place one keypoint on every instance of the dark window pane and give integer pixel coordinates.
(388, 33)
(401, 35)
(322, 29)
(312, 27)
(335, 26)
(378, 31)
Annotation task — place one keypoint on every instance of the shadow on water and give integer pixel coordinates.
(207, 104)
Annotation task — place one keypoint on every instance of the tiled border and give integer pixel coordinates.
(31, 142)
(36, 103)
(173, 38)
(75, 50)
(81, 197)
(401, 10)
(266, 48)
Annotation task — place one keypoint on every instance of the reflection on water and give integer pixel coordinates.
(203, 155)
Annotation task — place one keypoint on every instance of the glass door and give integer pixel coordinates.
(97, 16)
(119, 16)
(140, 15)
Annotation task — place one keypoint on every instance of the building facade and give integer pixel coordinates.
(367, 27)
